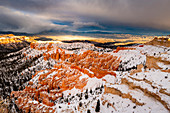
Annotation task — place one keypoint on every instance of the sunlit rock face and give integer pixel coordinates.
(160, 41)
(52, 76)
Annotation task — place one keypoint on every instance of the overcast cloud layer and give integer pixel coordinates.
(34, 16)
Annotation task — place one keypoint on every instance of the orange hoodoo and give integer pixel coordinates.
(123, 48)
(67, 73)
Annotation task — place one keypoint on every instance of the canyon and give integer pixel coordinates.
(55, 76)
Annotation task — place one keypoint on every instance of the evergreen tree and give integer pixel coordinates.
(98, 106)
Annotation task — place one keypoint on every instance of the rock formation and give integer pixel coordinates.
(78, 77)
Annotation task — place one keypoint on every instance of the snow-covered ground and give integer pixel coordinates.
(92, 80)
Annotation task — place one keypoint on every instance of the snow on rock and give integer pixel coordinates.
(130, 59)
(77, 77)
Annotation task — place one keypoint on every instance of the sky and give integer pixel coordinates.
(147, 17)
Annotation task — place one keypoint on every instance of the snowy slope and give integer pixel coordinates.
(91, 80)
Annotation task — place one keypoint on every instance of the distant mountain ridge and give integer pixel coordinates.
(16, 33)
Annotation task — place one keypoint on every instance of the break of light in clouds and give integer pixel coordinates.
(123, 16)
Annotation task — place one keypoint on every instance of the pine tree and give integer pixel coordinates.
(98, 106)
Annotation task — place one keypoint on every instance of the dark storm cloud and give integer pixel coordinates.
(150, 14)
(11, 20)
(78, 24)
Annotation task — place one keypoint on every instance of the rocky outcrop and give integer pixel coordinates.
(159, 41)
